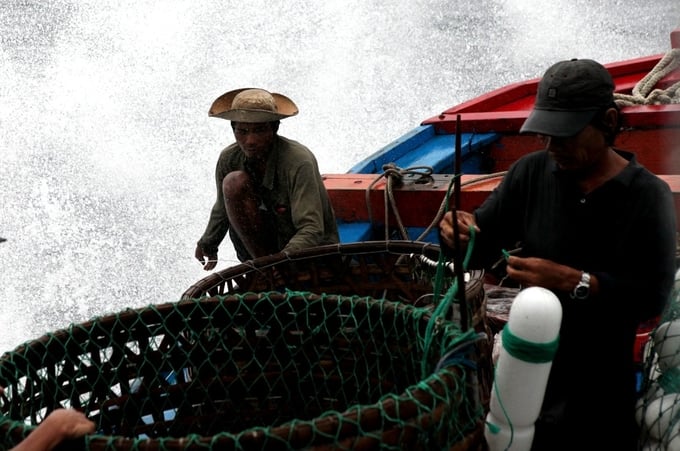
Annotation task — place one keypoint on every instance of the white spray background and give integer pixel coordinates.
(107, 152)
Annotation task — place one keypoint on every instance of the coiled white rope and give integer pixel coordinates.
(644, 93)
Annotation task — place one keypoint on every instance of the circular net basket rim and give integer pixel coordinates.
(396, 405)
(403, 247)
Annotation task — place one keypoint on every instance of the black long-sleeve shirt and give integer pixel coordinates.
(624, 233)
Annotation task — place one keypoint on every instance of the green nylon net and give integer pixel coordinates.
(658, 407)
(272, 369)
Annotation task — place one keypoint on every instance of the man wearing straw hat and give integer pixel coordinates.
(270, 194)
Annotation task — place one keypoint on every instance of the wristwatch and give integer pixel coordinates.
(582, 288)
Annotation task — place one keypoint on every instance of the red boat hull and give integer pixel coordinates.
(489, 127)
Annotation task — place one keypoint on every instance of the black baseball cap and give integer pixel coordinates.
(568, 97)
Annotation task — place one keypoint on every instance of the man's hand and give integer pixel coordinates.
(465, 220)
(533, 271)
(209, 261)
(60, 425)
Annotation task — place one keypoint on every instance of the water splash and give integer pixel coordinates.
(107, 152)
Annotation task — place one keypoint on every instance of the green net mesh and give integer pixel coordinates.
(658, 407)
(272, 369)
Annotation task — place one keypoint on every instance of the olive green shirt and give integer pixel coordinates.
(292, 191)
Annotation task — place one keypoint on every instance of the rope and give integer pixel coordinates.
(443, 305)
(394, 176)
(528, 351)
(644, 93)
(443, 207)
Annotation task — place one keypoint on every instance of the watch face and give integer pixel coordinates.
(581, 291)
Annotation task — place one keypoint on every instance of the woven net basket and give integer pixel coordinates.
(397, 270)
(260, 370)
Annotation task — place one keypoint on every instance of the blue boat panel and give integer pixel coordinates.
(415, 232)
(422, 148)
(351, 232)
(396, 149)
(438, 153)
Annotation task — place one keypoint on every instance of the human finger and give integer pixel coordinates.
(72, 422)
(446, 228)
(466, 220)
(200, 256)
(210, 263)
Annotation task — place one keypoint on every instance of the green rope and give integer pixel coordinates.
(444, 306)
(528, 351)
(669, 381)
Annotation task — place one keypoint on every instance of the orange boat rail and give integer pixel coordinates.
(419, 203)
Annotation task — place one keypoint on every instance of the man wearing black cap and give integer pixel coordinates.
(270, 195)
(598, 230)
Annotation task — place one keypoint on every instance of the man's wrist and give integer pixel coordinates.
(208, 249)
(582, 288)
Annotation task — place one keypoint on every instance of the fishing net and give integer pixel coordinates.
(658, 407)
(398, 270)
(276, 369)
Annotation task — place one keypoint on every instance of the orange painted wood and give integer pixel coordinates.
(419, 203)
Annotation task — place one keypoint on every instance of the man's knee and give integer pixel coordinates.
(235, 184)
